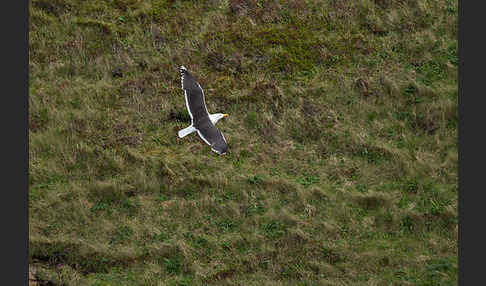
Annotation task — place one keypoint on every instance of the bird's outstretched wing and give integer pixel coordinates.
(194, 95)
(212, 136)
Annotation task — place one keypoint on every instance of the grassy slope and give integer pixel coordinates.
(342, 167)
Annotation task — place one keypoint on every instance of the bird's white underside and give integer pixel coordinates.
(187, 106)
(186, 131)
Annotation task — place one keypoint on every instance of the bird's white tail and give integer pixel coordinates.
(186, 131)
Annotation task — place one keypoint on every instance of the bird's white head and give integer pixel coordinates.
(216, 117)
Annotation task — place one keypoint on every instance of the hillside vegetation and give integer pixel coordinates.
(342, 162)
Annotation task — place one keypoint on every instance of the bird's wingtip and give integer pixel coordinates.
(219, 152)
(182, 70)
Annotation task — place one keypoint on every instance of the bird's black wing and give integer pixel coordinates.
(212, 136)
(194, 95)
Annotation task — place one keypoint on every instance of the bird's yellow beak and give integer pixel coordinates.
(224, 115)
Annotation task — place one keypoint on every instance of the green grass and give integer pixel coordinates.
(342, 163)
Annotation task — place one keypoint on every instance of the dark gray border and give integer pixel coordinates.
(471, 174)
(14, 121)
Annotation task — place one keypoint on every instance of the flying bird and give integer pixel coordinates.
(201, 121)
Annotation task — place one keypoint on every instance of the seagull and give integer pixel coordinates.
(201, 121)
